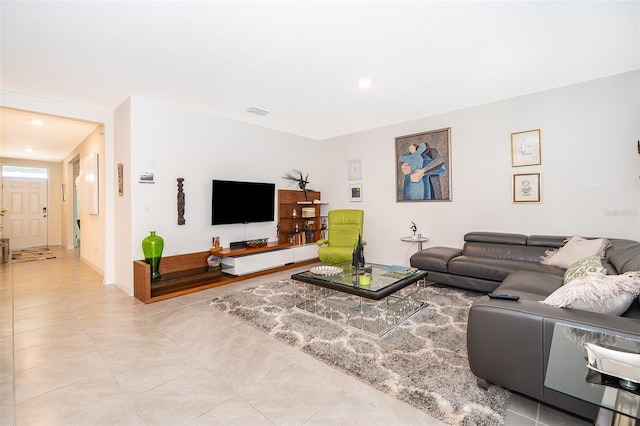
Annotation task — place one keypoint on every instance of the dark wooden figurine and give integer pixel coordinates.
(181, 220)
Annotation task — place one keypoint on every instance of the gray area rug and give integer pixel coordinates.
(423, 362)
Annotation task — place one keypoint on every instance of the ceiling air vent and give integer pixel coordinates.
(254, 110)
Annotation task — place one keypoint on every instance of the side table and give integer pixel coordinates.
(567, 373)
(416, 239)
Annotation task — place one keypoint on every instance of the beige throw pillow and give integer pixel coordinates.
(605, 294)
(575, 249)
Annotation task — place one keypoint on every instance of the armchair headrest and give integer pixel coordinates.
(345, 226)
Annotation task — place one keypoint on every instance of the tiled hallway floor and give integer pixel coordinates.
(76, 352)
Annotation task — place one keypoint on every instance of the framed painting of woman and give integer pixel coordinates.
(423, 166)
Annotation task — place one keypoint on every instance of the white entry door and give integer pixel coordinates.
(26, 220)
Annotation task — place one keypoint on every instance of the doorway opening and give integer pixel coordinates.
(25, 198)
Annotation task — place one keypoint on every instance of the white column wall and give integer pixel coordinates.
(122, 204)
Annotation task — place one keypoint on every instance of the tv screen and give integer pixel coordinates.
(242, 202)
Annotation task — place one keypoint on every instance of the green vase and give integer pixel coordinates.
(152, 246)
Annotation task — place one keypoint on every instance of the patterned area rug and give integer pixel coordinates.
(27, 255)
(423, 362)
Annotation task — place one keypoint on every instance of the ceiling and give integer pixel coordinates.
(28, 135)
(301, 60)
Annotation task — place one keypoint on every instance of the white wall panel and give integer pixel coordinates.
(589, 169)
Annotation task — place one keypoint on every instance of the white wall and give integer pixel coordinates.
(173, 141)
(589, 170)
(55, 206)
(92, 226)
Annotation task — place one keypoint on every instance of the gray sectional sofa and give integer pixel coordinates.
(508, 342)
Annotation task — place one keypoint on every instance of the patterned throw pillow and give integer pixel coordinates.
(582, 267)
(605, 294)
(576, 248)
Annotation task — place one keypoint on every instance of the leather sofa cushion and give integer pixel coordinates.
(611, 270)
(623, 254)
(531, 285)
(434, 258)
(495, 251)
(496, 269)
(534, 253)
(496, 238)
(537, 286)
(487, 268)
(634, 310)
(483, 267)
(549, 241)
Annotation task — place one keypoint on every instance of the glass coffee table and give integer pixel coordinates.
(375, 305)
(567, 372)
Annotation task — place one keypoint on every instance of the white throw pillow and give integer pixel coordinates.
(605, 294)
(576, 248)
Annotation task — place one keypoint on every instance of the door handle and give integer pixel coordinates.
(44, 212)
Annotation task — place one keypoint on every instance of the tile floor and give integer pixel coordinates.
(76, 352)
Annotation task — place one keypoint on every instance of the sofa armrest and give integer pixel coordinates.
(508, 342)
(434, 258)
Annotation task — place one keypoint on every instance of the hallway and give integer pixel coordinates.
(76, 352)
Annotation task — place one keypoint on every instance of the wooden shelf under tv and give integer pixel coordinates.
(187, 273)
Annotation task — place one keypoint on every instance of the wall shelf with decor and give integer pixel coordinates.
(299, 218)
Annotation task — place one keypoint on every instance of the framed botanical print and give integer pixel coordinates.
(355, 169)
(525, 148)
(526, 188)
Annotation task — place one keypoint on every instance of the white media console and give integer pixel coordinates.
(242, 262)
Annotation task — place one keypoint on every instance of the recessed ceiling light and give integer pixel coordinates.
(254, 110)
(37, 122)
(364, 83)
(28, 149)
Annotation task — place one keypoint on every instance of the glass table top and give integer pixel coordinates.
(383, 280)
(567, 370)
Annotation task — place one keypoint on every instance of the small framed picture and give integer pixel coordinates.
(525, 148)
(355, 169)
(355, 192)
(526, 188)
(145, 177)
(215, 243)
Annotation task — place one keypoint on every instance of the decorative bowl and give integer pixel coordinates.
(260, 242)
(623, 365)
(213, 262)
(326, 270)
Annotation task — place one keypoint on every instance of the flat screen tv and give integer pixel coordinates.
(242, 202)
